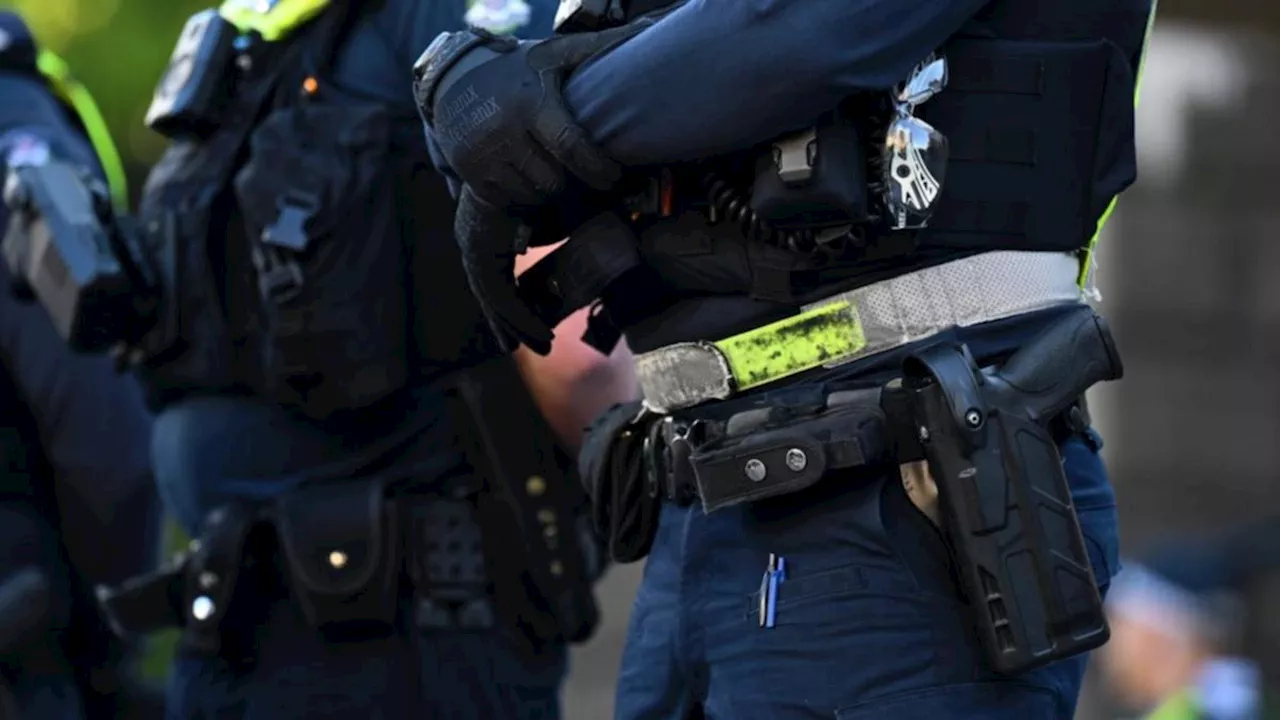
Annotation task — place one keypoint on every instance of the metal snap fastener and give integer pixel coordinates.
(756, 471)
(536, 485)
(797, 460)
(202, 608)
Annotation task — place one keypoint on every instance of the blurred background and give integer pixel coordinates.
(1188, 277)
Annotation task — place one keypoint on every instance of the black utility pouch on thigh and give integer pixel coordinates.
(340, 542)
(1005, 498)
(624, 504)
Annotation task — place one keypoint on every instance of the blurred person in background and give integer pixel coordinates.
(384, 523)
(77, 502)
(1177, 618)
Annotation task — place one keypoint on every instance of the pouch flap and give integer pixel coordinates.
(332, 534)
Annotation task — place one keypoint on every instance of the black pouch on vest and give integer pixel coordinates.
(815, 178)
(189, 346)
(212, 575)
(322, 224)
(624, 502)
(341, 545)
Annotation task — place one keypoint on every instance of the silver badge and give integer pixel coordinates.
(915, 153)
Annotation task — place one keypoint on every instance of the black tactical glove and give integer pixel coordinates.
(490, 239)
(495, 111)
(495, 108)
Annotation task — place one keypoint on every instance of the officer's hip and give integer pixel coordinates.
(973, 446)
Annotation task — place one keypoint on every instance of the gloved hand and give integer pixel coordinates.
(495, 108)
(490, 239)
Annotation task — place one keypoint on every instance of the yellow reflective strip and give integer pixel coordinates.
(1181, 706)
(793, 345)
(58, 73)
(1087, 264)
(274, 22)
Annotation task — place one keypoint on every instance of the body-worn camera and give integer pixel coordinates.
(193, 89)
(65, 247)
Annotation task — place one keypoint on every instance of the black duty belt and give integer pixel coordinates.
(786, 449)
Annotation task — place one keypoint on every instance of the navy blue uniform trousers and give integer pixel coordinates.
(209, 450)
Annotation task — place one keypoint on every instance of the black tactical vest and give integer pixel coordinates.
(304, 244)
(1038, 112)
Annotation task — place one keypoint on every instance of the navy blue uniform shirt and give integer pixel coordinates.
(715, 77)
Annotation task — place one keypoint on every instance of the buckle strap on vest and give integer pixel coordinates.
(857, 324)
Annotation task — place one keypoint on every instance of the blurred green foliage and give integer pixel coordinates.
(118, 48)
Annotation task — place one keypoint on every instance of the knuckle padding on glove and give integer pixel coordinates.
(442, 55)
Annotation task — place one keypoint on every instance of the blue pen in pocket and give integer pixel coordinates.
(774, 576)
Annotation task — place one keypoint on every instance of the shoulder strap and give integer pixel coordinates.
(83, 107)
(20, 53)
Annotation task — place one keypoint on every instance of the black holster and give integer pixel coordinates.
(538, 550)
(622, 488)
(1006, 504)
(200, 590)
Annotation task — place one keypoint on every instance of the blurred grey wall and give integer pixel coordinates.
(1190, 279)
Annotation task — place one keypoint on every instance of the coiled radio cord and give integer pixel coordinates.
(729, 204)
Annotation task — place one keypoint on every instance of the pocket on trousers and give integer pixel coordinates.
(987, 700)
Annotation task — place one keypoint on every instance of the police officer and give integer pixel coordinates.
(382, 524)
(77, 503)
(849, 244)
(1179, 619)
